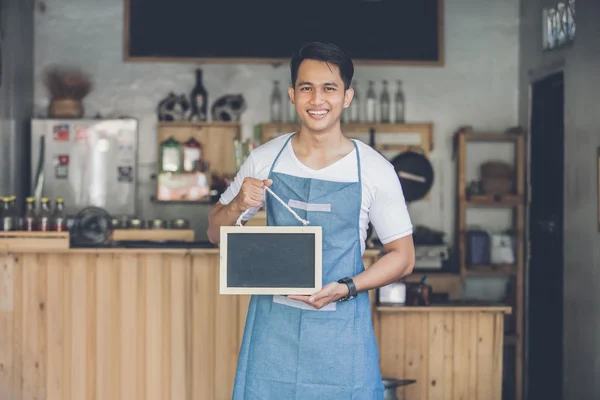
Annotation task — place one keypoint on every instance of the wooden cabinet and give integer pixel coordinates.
(218, 146)
(217, 139)
(452, 352)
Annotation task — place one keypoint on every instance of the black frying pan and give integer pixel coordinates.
(413, 169)
(415, 173)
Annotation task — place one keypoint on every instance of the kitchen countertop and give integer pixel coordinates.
(445, 308)
(137, 250)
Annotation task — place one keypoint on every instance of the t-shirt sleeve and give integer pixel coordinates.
(247, 169)
(388, 213)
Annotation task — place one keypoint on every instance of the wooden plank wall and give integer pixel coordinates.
(116, 326)
(152, 326)
(452, 355)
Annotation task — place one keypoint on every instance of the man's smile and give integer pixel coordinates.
(318, 112)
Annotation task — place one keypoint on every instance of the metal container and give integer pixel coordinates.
(137, 224)
(180, 223)
(157, 224)
(391, 385)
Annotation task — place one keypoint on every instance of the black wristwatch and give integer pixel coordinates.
(351, 289)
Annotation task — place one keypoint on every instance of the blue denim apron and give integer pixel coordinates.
(290, 353)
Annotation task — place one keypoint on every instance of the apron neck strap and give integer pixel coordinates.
(303, 221)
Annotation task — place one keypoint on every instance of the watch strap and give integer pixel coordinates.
(351, 288)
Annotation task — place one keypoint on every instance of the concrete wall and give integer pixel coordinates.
(16, 95)
(477, 86)
(580, 63)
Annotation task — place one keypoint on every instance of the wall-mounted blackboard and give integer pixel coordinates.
(270, 260)
(370, 31)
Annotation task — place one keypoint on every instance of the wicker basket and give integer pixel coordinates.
(498, 185)
(65, 108)
(496, 169)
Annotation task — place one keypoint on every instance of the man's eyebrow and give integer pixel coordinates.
(312, 84)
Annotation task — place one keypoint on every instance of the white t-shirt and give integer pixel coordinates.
(382, 197)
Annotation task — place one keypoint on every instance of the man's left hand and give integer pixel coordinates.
(330, 293)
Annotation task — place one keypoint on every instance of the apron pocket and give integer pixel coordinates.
(326, 354)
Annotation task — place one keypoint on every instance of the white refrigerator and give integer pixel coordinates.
(88, 162)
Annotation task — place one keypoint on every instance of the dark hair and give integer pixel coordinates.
(326, 52)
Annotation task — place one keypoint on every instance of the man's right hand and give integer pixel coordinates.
(251, 194)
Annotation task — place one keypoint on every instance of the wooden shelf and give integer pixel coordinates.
(491, 137)
(417, 273)
(516, 202)
(442, 308)
(489, 200)
(270, 130)
(217, 139)
(26, 240)
(207, 124)
(491, 270)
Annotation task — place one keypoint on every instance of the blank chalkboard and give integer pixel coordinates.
(270, 260)
(386, 31)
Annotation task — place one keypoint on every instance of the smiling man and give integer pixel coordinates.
(320, 346)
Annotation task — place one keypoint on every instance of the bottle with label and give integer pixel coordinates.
(59, 218)
(292, 113)
(370, 103)
(170, 155)
(399, 103)
(30, 217)
(44, 220)
(199, 99)
(18, 220)
(384, 104)
(276, 103)
(8, 215)
(192, 156)
(354, 107)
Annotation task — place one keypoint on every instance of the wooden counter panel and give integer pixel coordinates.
(145, 325)
(116, 326)
(452, 354)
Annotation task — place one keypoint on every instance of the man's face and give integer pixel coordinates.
(319, 95)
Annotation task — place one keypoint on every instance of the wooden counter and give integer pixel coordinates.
(126, 324)
(453, 352)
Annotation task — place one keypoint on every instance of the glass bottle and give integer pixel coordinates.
(30, 217)
(292, 114)
(199, 99)
(18, 220)
(345, 116)
(399, 103)
(275, 103)
(370, 103)
(44, 219)
(170, 155)
(59, 218)
(192, 156)
(8, 215)
(384, 103)
(354, 107)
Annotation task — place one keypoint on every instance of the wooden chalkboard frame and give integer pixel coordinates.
(277, 61)
(311, 230)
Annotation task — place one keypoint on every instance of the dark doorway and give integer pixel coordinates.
(545, 283)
